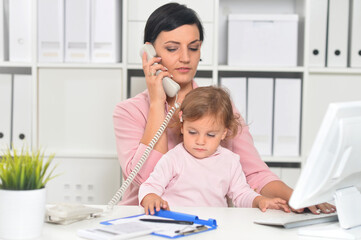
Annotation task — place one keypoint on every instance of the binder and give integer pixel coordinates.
(4, 30)
(237, 87)
(77, 31)
(5, 106)
(135, 38)
(260, 113)
(106, 31)
(137, 85)
(21, 132)
(338, 33)
(318, 33)
(51, 30)
(211, 224)
(20, 30)
(287, 117)
(203, 82)
(355, 47)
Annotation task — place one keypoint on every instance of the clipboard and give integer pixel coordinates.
(210, 224)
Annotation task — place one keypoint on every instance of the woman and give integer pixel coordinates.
(176, 33)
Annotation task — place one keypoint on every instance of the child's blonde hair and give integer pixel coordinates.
(214, 101)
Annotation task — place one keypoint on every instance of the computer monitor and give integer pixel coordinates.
(333, 169)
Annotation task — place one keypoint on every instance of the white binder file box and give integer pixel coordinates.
(203, 82)
(51, 30)
(260, 113)
(262, 40)
(20, 30)
(135, 41)
(318, 33)
(137, 85)
(237, 87)
(105, 32)
(287, 117)
(338, 23)
(4, 33)
(77, 31)
(5, 106)
(22, 111)
(355, 48)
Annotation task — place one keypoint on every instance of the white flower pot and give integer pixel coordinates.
(22, 213)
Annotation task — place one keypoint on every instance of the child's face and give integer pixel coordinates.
(203, 136)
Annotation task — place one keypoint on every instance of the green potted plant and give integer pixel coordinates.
(23, 177)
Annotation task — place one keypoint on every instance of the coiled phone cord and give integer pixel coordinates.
(144, 157)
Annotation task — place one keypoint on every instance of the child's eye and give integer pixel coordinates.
(192, 132)
(211, 134)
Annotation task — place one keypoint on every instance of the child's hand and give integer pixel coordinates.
(151, 201)
(265, 203)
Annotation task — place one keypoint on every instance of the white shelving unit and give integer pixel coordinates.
(319, 87)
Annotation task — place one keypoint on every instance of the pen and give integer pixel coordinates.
(166, 221)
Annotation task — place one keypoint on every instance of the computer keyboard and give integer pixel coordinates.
(292, 220)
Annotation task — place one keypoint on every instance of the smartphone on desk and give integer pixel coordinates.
(170, 87)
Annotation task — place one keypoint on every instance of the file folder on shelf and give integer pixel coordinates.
(77, 31)
(5, 106)
(51, 30)
(106, 30)
(210, 224)
(4, 30)
(21, 111)
(137, 85)
(237, 87)
(287, 117)
(20, 30)
(260, 113)
(203, 81)
(338, 23)
(355, 48)
(317, 33)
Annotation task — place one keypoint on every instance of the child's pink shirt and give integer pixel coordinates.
(130, 118)
(183, 180)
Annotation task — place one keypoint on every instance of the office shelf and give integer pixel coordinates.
(81, 84)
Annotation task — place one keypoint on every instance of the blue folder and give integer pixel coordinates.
(210, 223)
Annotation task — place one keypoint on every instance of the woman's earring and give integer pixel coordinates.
(180, 116)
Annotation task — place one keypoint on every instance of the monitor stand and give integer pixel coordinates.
(348, 205)
(331, 231)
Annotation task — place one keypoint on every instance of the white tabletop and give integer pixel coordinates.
(233, 223)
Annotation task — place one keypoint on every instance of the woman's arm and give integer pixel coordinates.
(281, 190)
(256, 171)
(157, 100)
(130, 119)
(277, 189)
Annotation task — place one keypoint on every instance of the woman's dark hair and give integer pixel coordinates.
(169, 17)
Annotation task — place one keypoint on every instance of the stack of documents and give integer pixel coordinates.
(164, 223)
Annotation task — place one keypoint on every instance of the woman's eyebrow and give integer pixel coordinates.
(175, 42)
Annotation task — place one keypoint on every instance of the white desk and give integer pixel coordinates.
(233, 223)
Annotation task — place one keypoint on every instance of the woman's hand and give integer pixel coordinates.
(154, 82)
(152, 201)
(317, 209)
(265, 203)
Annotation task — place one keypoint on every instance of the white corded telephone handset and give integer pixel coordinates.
(170, 87)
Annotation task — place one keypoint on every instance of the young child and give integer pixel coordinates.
(200, 172)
